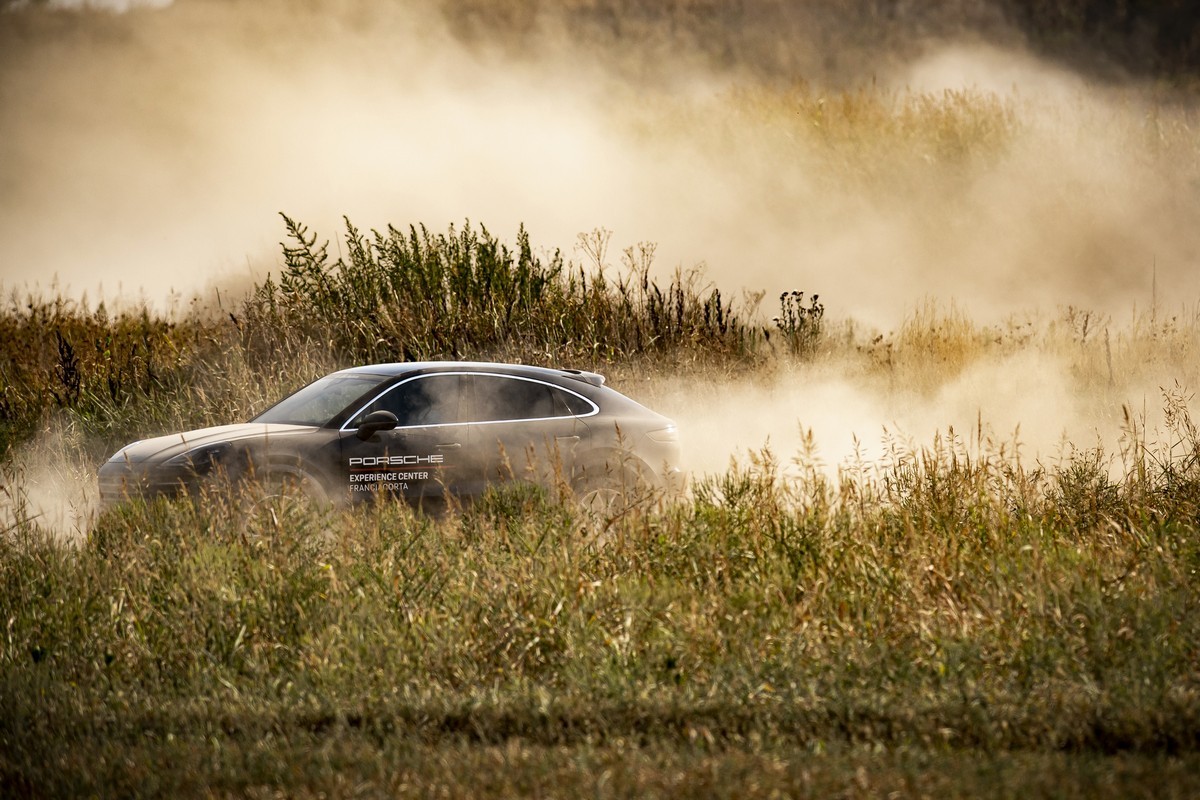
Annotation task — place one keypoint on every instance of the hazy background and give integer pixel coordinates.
(148, 146)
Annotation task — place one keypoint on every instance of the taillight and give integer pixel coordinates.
(667, 435)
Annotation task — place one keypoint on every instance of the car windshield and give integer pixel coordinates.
(322, 400)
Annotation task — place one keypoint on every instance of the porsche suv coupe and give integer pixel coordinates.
(419, 431)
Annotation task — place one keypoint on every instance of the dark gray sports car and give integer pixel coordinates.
(421, 431)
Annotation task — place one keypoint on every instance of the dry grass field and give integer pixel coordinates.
(952, 617)
(948, 547)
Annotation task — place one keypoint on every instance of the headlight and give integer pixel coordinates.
(201, 460)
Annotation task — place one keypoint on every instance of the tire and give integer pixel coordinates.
(606, 491)
(287, 504)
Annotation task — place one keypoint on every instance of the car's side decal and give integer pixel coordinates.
(392, 473)
(397, 461)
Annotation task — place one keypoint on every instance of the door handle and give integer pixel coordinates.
(566, 438)
(449, 446)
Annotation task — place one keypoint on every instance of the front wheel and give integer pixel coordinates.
(286, 504)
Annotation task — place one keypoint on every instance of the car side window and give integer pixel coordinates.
(427, 400)
(498, 398)
(573, 403)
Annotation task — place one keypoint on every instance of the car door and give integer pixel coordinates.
(423, 456)
(522, 428)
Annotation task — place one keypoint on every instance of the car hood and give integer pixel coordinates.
(162, 447)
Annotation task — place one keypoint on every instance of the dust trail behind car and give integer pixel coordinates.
(878, 157)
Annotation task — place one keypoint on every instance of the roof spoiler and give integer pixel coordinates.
(594, 378)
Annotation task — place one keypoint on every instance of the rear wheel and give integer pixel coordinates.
(599, 498)
(607, 491)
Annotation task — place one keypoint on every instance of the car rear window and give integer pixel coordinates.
(499, 398)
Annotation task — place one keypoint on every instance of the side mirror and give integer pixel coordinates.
(376, 421)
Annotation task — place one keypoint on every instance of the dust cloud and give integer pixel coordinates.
(151, 150)
(50, 485)
(876, 158)
(1038, 406)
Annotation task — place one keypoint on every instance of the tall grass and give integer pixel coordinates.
(952, 601)
(980, 620)
(952, 619)
(64, 354)
(415, 295)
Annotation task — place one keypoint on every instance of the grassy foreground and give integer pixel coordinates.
(950, 623)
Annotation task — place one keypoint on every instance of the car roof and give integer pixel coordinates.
(522, 370)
